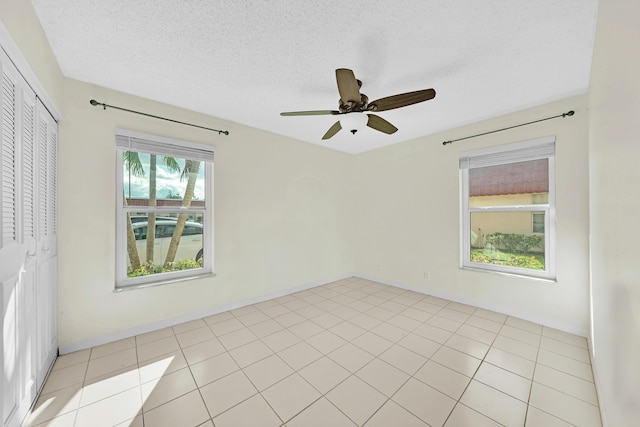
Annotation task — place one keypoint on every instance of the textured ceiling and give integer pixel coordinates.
(248, 60)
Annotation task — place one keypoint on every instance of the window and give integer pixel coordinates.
(164, 227)
(537, 225)
(508, 208)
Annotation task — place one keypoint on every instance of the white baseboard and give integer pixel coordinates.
(150, 327)
(499, 309)
(596, 381)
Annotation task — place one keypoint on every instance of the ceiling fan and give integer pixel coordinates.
(352, 101)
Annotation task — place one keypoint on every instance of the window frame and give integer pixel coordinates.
(163, 146)
(535, 149)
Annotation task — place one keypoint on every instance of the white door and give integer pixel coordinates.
(46, 248)
(27, 244)
(27, 282)
(17, 245)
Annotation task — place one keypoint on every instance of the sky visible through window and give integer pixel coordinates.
(168, 182)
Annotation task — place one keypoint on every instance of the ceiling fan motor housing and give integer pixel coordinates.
(354, 106)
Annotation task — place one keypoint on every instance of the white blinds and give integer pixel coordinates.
(139, 142)
(508, 153)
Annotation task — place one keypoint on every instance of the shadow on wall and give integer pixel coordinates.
(626, 342)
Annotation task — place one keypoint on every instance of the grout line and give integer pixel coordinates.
(533, 375)
(344, 294)
(471, 379)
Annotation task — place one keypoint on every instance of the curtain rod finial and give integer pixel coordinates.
(94, 103)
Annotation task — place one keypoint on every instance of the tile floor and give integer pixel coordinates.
(349, 353)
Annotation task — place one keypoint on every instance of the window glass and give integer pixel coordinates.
(505, 238)
(189, 248)
(192, 230)
(521, 183)
(140, 232)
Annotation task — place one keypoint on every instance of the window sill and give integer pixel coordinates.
(123, 288)
(510, 274)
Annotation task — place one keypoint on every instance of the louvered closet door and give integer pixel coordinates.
(17, 270)
(9, 247)
(46, 238)
(28, 144)
(27, 285)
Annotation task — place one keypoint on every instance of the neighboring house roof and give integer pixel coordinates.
(513, 178)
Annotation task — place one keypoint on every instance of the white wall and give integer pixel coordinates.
(614, 151)
(26, 34)
(408, 210)
(279, 219)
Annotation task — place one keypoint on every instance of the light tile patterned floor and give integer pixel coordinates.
(350, 353)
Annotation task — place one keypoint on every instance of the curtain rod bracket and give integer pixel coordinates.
(104, 107)
(567, 114)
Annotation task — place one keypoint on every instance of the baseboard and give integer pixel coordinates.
(499, 309)
(150, 327)
(596, 381)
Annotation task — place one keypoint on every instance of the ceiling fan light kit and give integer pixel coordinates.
(353, 101)
(353, 122)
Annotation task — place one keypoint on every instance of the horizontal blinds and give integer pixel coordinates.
(508, 153)
(134, 141)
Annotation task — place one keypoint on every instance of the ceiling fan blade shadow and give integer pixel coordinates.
(380, 124)
(347, 86)
(402, 100)
(332, 130)
(310, 113)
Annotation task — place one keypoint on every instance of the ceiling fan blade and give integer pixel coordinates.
(401, 100)
(332, 130)
(347, 86)
(310, 113)
(378, 123)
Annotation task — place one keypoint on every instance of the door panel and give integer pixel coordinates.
(19, 379)
(9, 246)
(10, 368)
(26, 286)
(26, 305)
(46, 253)
(46, 313)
